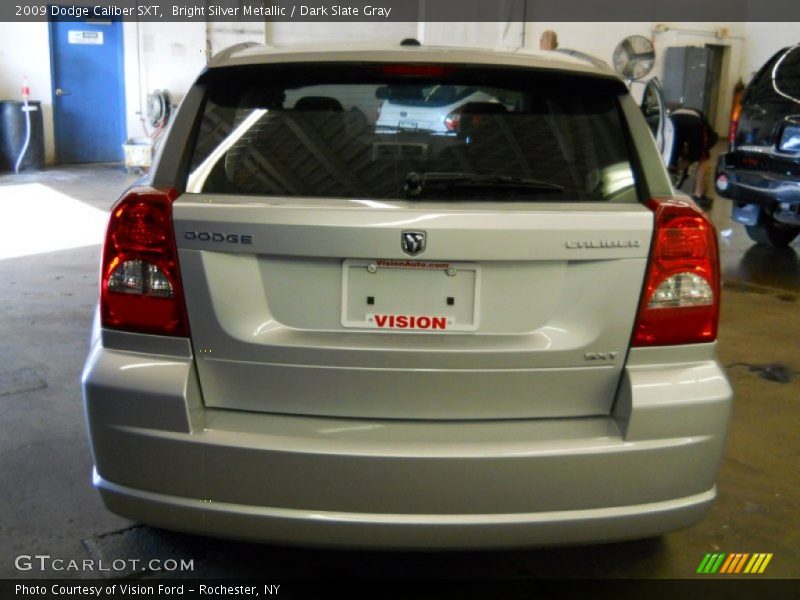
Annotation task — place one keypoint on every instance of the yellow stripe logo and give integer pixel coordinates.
(736, 562)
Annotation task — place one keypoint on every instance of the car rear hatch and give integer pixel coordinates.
(331, 269)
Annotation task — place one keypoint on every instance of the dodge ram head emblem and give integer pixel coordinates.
(412, 242)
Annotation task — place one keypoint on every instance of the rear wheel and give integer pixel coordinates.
(678, 176)
(770, 232)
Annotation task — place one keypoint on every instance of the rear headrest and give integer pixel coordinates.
(319, 103)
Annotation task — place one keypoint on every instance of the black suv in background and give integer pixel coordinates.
(761, 172)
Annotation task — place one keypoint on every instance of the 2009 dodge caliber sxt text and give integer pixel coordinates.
(494, 331)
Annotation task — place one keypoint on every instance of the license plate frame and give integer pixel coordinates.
(410, 288)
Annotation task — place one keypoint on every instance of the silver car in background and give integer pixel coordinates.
(315, 331)
(436, 108)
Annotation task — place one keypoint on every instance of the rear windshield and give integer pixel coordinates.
(421, 132)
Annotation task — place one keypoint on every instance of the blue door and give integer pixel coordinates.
(88, 90)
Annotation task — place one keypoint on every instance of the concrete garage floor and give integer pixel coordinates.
(49, 507)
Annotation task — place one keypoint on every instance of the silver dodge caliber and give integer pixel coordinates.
(494, 331)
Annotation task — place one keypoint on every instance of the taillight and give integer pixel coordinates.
(140, 286)
(424, 71)
(680, 302)
(453, 120)
(734, 126)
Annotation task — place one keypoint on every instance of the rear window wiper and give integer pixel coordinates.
(416, 184)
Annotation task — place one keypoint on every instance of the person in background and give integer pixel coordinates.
(694, 139)
(549, 40)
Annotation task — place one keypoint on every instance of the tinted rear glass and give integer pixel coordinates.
(364, 131)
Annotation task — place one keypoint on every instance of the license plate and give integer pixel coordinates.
(410, 295)
(407, 124)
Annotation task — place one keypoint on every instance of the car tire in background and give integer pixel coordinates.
(770, 232)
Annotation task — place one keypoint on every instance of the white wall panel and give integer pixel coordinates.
(223, 35)
(484, 35)
(25, 51)
(302, 34)
(160, 56)
(764, 40)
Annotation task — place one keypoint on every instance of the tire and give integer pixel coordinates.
(678, 176)
(771, 233)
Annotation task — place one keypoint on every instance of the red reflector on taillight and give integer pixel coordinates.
(140, 283)
(414, 70)
(680, 301)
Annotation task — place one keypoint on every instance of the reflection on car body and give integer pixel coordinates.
(431, 108)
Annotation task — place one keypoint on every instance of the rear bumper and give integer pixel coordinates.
(162, 458)
(369, 530)
(765, 188)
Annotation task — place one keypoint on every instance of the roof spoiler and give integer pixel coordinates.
(600, 64)
(226, 53)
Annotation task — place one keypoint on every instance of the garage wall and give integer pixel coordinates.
(160, 56)
(25, 50)
(487, 35)
(764, 40)
(597, 39)
(292, 34)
